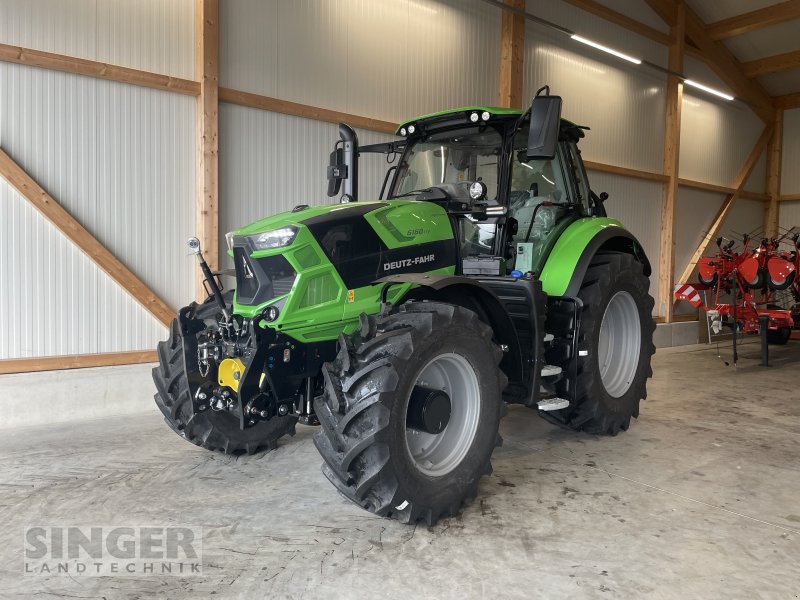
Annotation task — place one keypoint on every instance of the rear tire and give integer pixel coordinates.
(617, 334)
(211, 430)
(371, 456)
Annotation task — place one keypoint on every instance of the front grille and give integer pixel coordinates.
(261, 279)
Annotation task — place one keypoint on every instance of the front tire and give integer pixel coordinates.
(211, 430)
(617, 339)
(373, 454)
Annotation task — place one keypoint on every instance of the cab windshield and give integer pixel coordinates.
(451, 160)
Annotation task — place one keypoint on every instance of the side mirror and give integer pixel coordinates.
(544, 126)
(337, 171)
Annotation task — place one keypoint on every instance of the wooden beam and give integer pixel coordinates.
(721, 189)
(624, 171)
(790, 198)
(690, 318)
(728, 203)
(305, 111)
(754, 20)
(624, 21)
(788, 101)
(774, 159)
(84, 240)
(98, 70)
(512, 51)
(75, 361)
(772, 64)
(206, 37)
(719, 58)
(672, 150)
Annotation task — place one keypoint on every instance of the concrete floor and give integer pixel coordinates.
(700, 499)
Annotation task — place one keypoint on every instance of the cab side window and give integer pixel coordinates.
(534, 183)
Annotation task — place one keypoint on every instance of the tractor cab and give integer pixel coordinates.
(510, 200)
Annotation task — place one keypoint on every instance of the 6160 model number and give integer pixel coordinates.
(407, 262)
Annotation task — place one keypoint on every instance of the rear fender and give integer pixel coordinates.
(566, 266)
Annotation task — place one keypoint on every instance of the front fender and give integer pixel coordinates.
(569, 259)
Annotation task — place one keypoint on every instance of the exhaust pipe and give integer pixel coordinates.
(350, 146)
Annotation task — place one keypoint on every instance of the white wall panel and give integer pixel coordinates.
(636, 9)
(716, 10)
(120, 159)
(757, 182)
(637, 204)
(778, 84)
(388, 60)
(153, 35)
(769, 41)
(623, 107)
(270, 163)
(694, 213)
(696, 210)
(597, 29)
(790, 216)
(716, 136)
(790, 174)
(747, 216)
(53, 295)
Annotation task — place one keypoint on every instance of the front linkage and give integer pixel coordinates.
(234, 364)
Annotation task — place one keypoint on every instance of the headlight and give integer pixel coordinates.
(278, 238)
(229, 239)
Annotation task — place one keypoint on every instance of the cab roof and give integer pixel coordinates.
(494, 111)
(458, 115)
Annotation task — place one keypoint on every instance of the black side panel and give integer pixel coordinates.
(354, 209)
(352, 246)
(360, 256)
(525, 303)
(472, 294)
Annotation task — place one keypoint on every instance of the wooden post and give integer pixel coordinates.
(78, 235)
(512, 49)
(774, 159)
(206, 36)
(672, 148)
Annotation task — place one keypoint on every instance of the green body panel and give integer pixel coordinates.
(320, 306)
(407, 223)
(567, 251)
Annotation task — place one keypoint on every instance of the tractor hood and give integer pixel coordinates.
(299, 215)
(317, 265)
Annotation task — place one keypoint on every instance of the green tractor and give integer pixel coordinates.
(486, 274)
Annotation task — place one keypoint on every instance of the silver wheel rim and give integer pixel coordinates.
(437, 455)
(619, 344)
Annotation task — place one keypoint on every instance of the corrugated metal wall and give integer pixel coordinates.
(152, 35)
(790, 215)
(636, 203)
(790, 176)
(623, 106)
(389, 60)
(271, 162)
(716, 136)
(119, 158)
